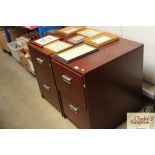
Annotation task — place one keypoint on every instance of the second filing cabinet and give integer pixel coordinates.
(97, 90)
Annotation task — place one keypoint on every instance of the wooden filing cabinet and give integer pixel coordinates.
(106, 85)
(44, 73)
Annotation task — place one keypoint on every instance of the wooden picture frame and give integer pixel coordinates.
(89, 32)
(44, 40)
(76, 52)
(57, 46)
(77, 39)
(69, 30)
(102, 39)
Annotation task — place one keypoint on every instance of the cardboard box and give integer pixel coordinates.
(26, 62)
(24, 42)
(3, 42)
(1, 28)
(0, 41)
(14, 33)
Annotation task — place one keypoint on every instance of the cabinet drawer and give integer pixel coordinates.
(50, 93)
(69, 83)
(75, 113)
(42, 66)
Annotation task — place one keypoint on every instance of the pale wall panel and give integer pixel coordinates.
(144, 35)
(113, 29)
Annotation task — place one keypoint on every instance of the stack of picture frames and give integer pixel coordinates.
(81, 41)
(57, 46)
(89, 32)
(76, 39)
(69, 30)
(102, 39)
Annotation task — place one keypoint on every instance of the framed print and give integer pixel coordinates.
(102, 39)
(57, 46)
(89, 32)
(70, 30)
(77, 39)
(76, 52)
(45, 40)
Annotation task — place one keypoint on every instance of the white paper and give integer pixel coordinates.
(59, 46)
(76, 52)
(46, 40)
(89, 32)
(101, 40)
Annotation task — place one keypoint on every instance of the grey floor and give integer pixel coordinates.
(21, 105)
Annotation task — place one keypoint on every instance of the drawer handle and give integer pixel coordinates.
(66, 79)
(74, 109)
(46, 87)
(40, 61)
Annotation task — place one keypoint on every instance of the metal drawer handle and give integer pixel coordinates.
(40, 61)
(74, 109)
(66, 79)
(46, 87)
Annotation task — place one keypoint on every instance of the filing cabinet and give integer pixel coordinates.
(94, 91)
(97, 90)
(42, 64)
(44, 72)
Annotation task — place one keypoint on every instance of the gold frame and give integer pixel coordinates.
(80, 32)
(107, 34)
(62, 31)
(77, 57)
(41, 45)
(46, 47)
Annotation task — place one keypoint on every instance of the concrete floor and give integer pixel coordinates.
(21, 105)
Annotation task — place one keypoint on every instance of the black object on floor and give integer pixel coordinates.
(150, 105)
(154, 103)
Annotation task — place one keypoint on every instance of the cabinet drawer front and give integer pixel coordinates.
(49, 92)
(70, 83)
(74, 113)
(42, 66)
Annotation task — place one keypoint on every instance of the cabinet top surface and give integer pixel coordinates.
(104, 55)
(96, 59)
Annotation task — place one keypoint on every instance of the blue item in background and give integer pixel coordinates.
(41, 30)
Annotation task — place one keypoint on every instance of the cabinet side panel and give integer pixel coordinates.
(115, 89)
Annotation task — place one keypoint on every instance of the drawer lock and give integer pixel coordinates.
(46, 87)
(66, 79)
(40, 61)
(74, 109)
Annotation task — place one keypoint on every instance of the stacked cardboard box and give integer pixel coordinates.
(27, 62)
(25, 55)
(15, 32)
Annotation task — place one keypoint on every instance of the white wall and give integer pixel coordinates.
(143, 34)
(114, 29)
